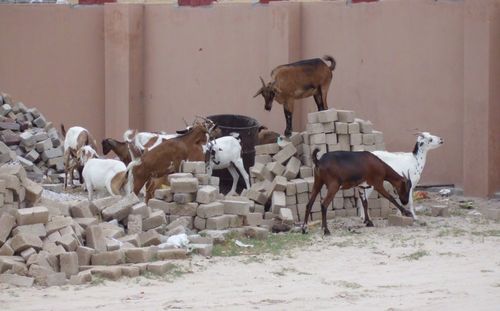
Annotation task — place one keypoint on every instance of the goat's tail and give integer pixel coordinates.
(128, 135)
(331, 60)
(315, 157)
(63, 130)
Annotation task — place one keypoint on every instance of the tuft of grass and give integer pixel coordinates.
(275, 244)
(491, 232)
(96, 280)
(451, 254)
(451, 232)
(416, 255)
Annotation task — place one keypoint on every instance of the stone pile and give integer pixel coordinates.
(28, 138)
(53, 243)
(282, 177)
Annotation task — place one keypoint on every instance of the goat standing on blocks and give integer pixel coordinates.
(156, 163)
(225, 152)
(75, 138)
(298, 80)
(411, 162)
(347, 169)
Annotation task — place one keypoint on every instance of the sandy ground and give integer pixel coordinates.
(448, 263)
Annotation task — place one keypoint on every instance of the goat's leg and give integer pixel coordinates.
(332, 190)
(318, 98)
(236, 177)
(324, 93)
(410, 203)
(80, 175)
(288, 118)
(314, 193)
(66, 168)
(381, 190)
(90, 190)
(364, 201)
(241, 168)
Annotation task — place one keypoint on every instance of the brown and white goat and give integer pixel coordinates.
(120, 148)
(156, 162)
(74, 139)
(298, 80)
(347, 169)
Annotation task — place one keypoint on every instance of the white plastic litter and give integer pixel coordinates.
(241, 244)
(118, 241)
(444, 192)
(178, 240)
(113, 222)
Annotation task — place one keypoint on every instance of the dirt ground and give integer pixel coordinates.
(437, 264)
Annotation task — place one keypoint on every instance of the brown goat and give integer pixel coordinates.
(156, 162)
(155, 183)
(118, 147)
(347, 169)
(298, 80)
(266, 136)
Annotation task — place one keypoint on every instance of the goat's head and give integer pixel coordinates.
(268, 92)
(86, 153)
(106, 146)
(427, 141)
(404, 189)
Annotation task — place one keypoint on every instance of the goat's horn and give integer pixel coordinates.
(258, 93)
(262, 80)
(185, 122)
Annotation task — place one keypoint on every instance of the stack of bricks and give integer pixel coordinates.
(28, 138)
(193, 197)
(282, 177)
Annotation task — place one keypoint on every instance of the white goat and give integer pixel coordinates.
(225, 152)
(74, 139)
(100, 174)
(411, 163)
(144, 141)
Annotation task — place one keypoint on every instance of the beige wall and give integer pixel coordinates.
(51, 57)
(402, 64)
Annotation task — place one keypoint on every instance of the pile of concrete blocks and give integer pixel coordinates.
(193, 198)
(282, 177)
(28, 138)
(16, 189)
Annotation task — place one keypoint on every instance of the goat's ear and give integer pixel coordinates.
(262, 127)
(275, 88)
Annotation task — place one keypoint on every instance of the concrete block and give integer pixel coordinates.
(52, 153)
(253, 219)
(111, 273)
(84, 254)
(263, 158)
(365, 127)
(345, 116)
(86, 222)
(164, 194)
(286, 215)
(285, 153)
(218, 223)
(101, 204)
(27, 253)
(154, 221)
(7, 222)
(36, 229)
(95, 238)
(183, 198)
(81, 210)
(131, 239)
(145, 210)
(399, 221)
(206, 194)
(108, 258)
(160, 267)
(355, 139)
(256, 233)
(368, 139)
(312, 117)
(234, 207)
(302, 198)
(134, 224)
(341, 128)
(329, 115)
(203, 179)
(278, 201)
(314, 128)
(292, 168)
(189, 184)
(291, 188)
(267, 149)
(24, 241)
(317, 139)
(16, 280)
(291, 200)
(81, 278)
(69, 242)
(6, 250)
(210, 210)
(188, 209)
(200, 223)
(235, 221)
(121, 209)
(138, 254)
(150, 237)
(490, 213)
(178, 175)
(43, 145)
(353, 128)
(194, 167)
(379, 137)
(202, 249)
(275, 167)
(278, 184)
(165, 254)
(69, 263)
(331, 139)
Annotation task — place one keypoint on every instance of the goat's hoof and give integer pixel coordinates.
(288, 133)
(369, 223)
(327, 232)
(304, 230)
